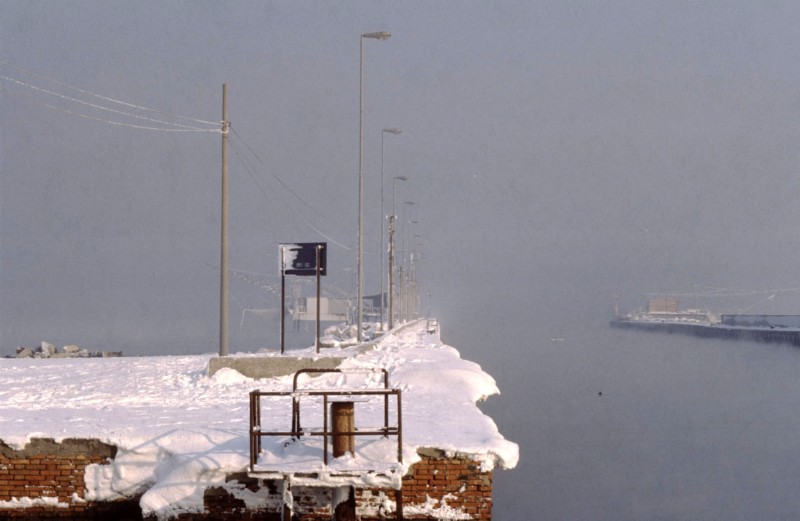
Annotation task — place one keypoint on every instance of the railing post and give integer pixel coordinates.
(255, 421)
(399, 427)
(250, 433)
(295, 417)
(325, 429)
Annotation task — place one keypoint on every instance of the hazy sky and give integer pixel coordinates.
(557, 152)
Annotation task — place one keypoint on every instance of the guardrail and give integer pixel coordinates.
(257, 431)
(296, 403)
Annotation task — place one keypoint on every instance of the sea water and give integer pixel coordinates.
(628, 425)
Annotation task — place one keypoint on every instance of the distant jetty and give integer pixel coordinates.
(664, 316)
(48, 350)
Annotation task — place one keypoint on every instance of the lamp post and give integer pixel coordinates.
(394, 131)
(392, 219)
(382, 35)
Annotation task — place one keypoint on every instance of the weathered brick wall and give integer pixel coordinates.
(44, 472)
(457, 482)
(438, 482)
(44, 469)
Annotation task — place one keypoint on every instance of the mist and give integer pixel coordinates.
(559, 155)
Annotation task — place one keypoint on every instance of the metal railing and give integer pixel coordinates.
(257, 431)
(296, 402)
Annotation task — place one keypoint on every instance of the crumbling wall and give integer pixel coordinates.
(460, 483)
(45, 480)
(440, 486)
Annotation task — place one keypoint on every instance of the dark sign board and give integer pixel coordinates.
(301, 258)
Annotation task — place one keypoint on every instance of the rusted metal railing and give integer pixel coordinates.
(295, 400)
(257, 431)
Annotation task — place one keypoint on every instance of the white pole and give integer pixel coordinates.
(223, 268)
(383, 35)
(359, 276)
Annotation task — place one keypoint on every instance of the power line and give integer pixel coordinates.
(62, 84)
(275, 176)
(121, 124)
(248, 168)
(251, 171)
(183, 128)
(337, 243)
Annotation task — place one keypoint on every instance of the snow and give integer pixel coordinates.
(432, 508)
(27, 502)
(179, 431)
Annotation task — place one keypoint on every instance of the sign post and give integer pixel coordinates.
(302, 259)
(319, 254)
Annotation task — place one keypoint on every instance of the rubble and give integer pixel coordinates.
(48, 350)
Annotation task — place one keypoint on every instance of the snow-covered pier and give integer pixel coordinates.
(181, 443)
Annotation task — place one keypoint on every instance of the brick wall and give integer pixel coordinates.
(49, 477)
(455, 482)
(45, 473)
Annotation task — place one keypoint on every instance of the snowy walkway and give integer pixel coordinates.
(180, 431)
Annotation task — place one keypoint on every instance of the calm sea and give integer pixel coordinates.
(624, 425)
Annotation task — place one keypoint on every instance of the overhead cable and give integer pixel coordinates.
(182, 128)
(250, 168)
(62, 84)
(287, 187)
(121, 124)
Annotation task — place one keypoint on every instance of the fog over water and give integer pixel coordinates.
(558, 155)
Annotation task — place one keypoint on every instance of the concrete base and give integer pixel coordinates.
(270, 366)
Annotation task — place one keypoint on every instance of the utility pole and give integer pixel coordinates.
(223, 263)
(391, 271)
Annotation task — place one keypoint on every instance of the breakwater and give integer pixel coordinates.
(781, 335)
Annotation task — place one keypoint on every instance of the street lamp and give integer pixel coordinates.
(394, 131)
(382, 35)
(392, 219)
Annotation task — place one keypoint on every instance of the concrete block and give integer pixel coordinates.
(270, 366)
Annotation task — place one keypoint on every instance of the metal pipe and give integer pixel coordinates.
(325, 429)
